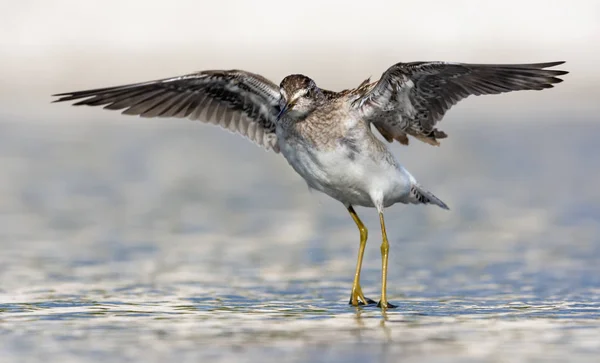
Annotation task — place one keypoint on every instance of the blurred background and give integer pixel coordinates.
(125, 239)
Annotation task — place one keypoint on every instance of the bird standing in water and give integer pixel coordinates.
(327, 137)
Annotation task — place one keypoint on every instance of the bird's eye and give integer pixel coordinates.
(309, 93)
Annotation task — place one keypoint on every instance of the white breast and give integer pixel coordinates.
(351, 175)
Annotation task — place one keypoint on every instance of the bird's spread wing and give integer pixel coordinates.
(238, 101)
(411, 98)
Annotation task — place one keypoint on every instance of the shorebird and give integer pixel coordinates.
(327, 137)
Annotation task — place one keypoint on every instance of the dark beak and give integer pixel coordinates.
(285, 108)
(283, 111)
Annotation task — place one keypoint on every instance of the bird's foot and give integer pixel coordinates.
(386, 305)
(357, 298)
(360, 302)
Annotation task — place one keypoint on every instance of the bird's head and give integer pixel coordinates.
(299, 96)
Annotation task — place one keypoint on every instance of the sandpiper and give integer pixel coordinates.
(327, 136)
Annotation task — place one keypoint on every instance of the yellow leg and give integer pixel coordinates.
(385, 248)
(357, 297)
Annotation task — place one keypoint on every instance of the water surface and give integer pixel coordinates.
(153, 241)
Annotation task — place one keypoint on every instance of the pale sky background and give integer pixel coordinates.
(63, 45)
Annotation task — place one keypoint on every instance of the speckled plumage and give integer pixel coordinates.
(327, 136)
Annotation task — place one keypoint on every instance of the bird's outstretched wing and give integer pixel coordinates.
(238, 101)
(411, 98)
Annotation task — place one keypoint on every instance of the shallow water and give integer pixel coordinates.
(150, 241)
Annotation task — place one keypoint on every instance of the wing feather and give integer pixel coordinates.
(238, 101)
(411, 98)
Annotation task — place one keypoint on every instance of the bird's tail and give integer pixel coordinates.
(418, 195)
